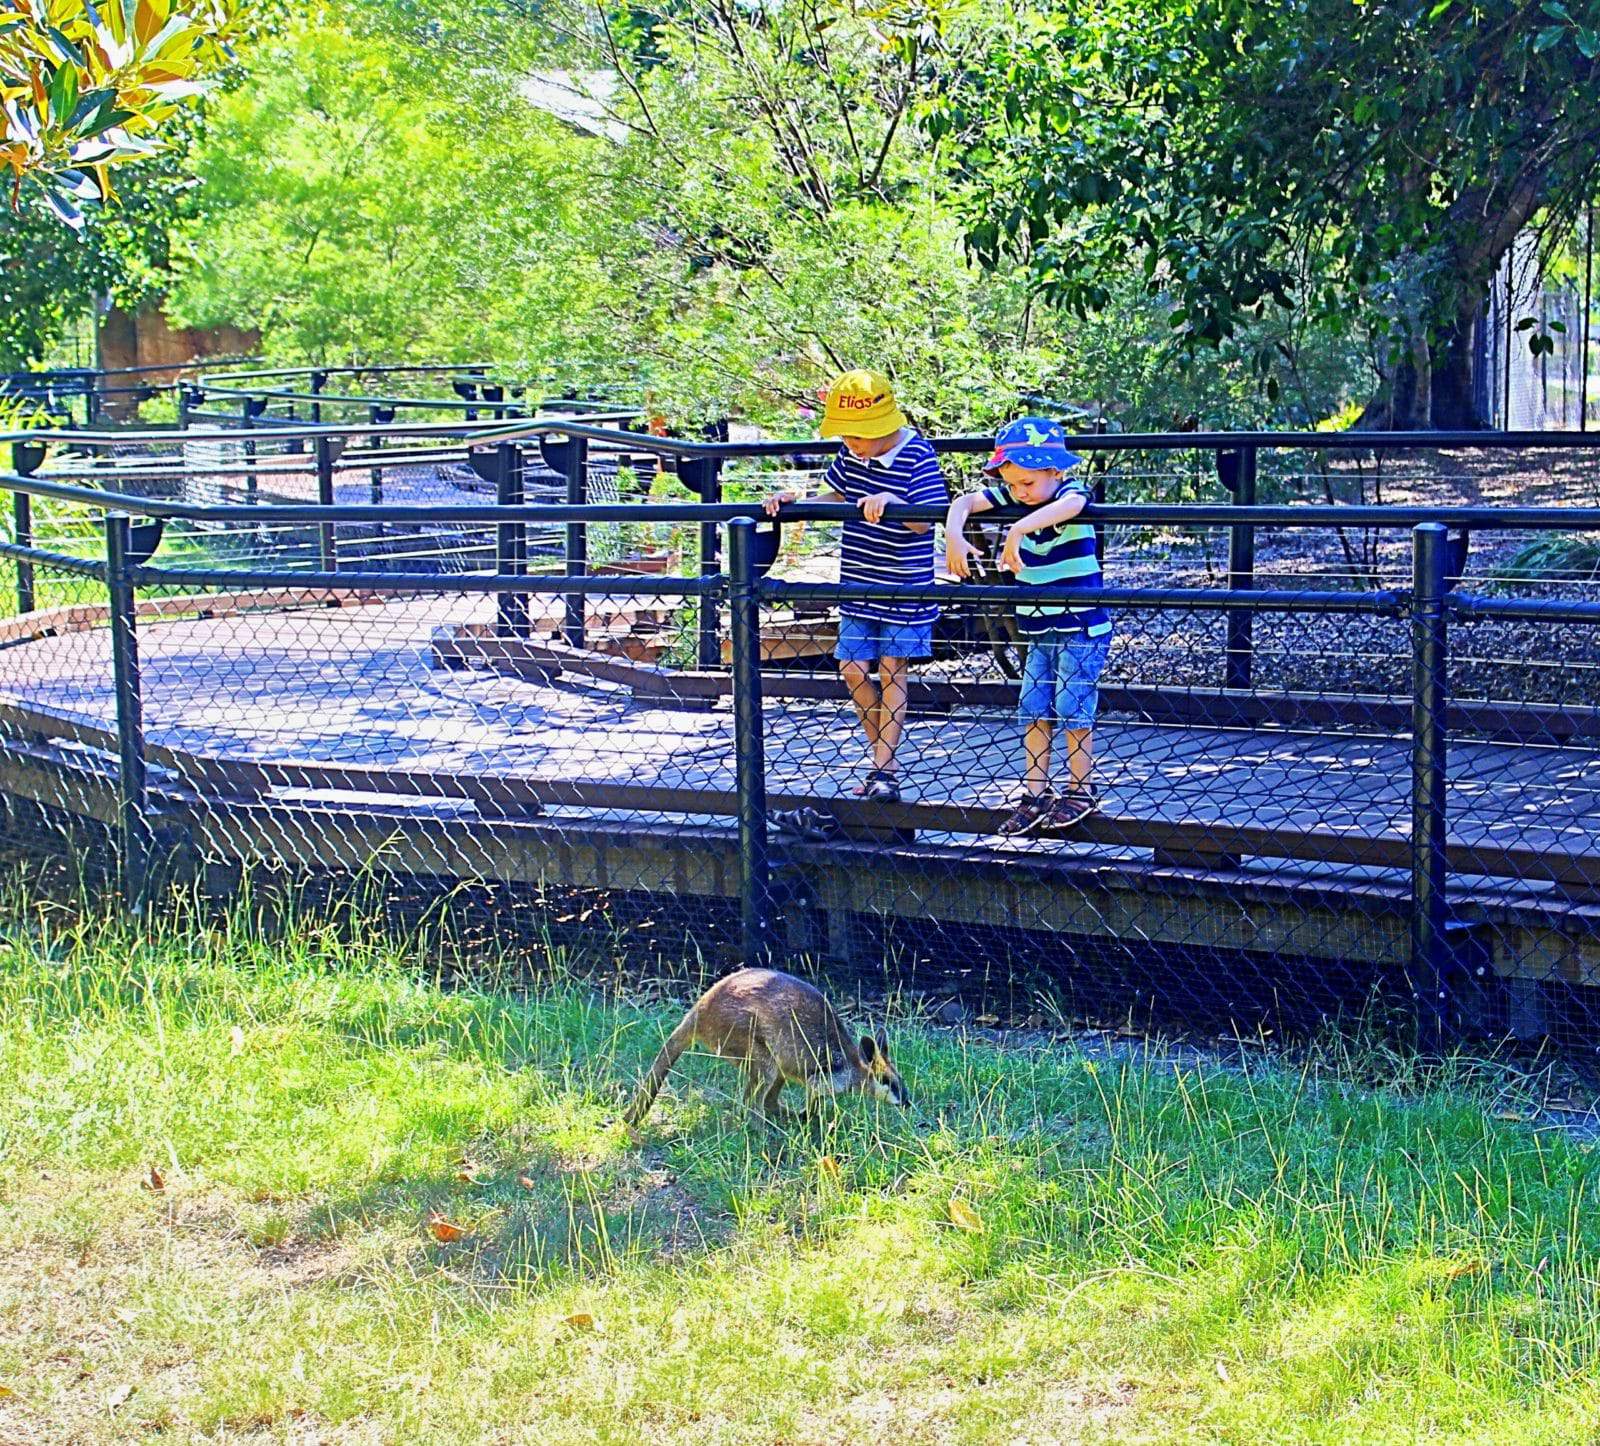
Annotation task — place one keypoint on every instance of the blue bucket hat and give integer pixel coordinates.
(1032, 442)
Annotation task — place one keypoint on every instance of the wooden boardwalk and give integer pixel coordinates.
(353, 686)
(352, 691)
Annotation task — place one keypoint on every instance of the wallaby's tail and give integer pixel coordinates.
(650, 1085)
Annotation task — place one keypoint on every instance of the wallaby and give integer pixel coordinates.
(780, 1030)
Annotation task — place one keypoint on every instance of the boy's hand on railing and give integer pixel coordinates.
(872, 507)
(779, 499)
(958, 553)
(1011, 552)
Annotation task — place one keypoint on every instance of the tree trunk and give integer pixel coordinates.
(1445, 399)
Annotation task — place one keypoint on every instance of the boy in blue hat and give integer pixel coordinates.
(1067, 642)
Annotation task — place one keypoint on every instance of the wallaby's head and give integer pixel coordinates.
(883, 1079)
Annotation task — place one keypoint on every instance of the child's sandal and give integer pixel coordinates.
(1028, 815)
(1075, 805)
(881, 787)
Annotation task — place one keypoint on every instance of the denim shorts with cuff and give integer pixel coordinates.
(1060, 682)
(865, 640)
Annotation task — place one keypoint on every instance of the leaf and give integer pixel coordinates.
(964, 1217)
(236, 1040)
(154, 1180)
(471, 1172)
(828, 1168)
(117, 1397)
(6, 1393)
(583, 1321)
(443, 1229)
(1549, 36)
(526, 1181)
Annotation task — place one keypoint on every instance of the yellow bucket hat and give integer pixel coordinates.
(861, 404)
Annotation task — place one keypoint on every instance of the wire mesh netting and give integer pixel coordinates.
(333, 695)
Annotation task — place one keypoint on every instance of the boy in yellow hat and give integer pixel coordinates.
(882, 460)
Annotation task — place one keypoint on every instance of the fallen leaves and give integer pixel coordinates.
(444, 1229)
(526, 1181)
(582, 1321)
(964, 1217)
(154, 1180)
(828, 1168)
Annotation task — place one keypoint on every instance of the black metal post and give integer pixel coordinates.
(378, 416)
(575, 464)
(703, 475)
(1238, 473)
(26, 458)
(1588, 302)
(247, 415)
(318, 381)
(1429, 944)
(511, 542)
(750, 771)
(327, 539)
(133, 793)
(22, 534)
(1511, 271)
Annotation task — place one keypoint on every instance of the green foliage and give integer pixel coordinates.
(353, 215)
(761, 211)
(1557, 557)
(1321, 157)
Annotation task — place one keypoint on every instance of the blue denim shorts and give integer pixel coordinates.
(865, 640)
(1060, 681)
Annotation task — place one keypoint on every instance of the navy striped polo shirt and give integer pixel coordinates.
(1063, 555)
(888, 552)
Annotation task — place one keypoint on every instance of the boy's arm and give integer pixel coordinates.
(1052, 514)
(956, 547)
(829, 493)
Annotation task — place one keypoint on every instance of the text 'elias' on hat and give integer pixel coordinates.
(1032, 442)
(861, 404)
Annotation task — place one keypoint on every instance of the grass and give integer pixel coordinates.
(1049, 1247)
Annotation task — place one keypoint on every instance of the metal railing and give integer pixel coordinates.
(1411, 875)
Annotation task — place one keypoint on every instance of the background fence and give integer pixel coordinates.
(1345, 752)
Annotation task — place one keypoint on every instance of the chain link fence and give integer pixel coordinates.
(1344, 747)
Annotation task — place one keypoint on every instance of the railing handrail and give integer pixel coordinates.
(587, 426)
(1176, 514)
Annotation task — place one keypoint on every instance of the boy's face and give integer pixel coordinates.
(864, 449)
(1030, 486)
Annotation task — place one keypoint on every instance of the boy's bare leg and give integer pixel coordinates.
(892, 678)
(1036, 748)
(1080, 756)
(865, 695)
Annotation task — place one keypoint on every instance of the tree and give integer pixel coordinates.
(1329, 158)
(82, 91)
(363, 201)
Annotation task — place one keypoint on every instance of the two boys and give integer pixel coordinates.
(882, 460)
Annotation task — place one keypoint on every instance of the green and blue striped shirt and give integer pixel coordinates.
(1065, 556)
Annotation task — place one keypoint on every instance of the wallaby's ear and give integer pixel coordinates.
(883, 1046)
(868, 1049)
